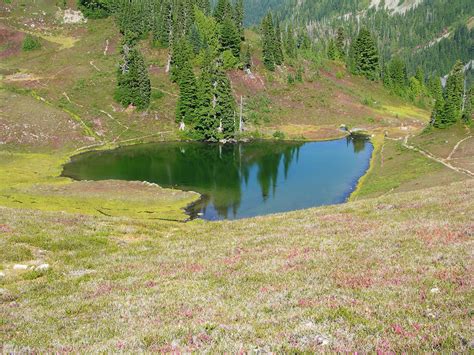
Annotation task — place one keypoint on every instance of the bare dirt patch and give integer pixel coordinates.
(10, 41)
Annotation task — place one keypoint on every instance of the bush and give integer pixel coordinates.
(229, 60)
(279, 135)
(31, 43)
(94, 8)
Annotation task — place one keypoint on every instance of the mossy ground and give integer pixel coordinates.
(386, 274)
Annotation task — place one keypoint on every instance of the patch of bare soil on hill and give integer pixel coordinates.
(10, 41)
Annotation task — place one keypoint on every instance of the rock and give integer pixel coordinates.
(20, 267)
(321, 340)
(434, 290)
(71, 17)
(42, 267)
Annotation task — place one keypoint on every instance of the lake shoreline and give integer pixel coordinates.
(87, 166)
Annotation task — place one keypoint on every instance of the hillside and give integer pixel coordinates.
(116, 266)
(74, 74)
(430, 34)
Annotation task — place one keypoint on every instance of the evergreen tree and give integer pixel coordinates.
(340, 39)
(204, 6)
(366, 56)
(225, 105)
(277, 44)
(268, 47)
(133, 83)
(332, 50)
(239, 17)
(206, 119)
(222, 10)
(247, 58)
(467, 113)
(187, 102)
(454, 94)
(290, 44)
(164, 25)
(94, 8)
(229, 37)
(181, 54)
(437, 119)
(398, 77)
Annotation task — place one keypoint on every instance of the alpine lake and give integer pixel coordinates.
(237, 180)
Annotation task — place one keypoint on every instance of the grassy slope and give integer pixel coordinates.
(386, 274)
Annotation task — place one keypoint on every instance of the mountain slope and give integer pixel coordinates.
(437, 30)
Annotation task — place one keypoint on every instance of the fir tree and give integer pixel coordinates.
(187, 102)
(239, 17)
(467, 113)
(332, 53)
(133, 83)
(268, 42)
(206, 119)
(340, 39)
(229, 37)
(290, 44)
(398, 77)
(181, 54)
(222, 10)
(277, 44)
(366, 56)
(454, 94)
(437, 119)
(225, 105)
(247, 58)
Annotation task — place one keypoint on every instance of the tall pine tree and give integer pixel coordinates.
(454, 94)
(268, 47)
(133, 82)
(187, 102)
(366, 56)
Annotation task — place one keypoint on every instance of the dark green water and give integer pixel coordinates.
(240, 180)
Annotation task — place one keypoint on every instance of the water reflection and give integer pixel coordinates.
(240, 180)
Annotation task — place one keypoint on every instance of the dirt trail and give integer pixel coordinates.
(456, 147)
(437, 159)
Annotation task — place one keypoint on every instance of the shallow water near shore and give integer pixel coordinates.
(237, 180)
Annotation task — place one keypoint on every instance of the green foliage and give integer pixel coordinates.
(239, 17)
(187, 102)
(438, 109)
(271, 43)
(229, 61)
(340, 44)
(467, 113)
(332, 50)
(31, 43)
(94, 8)
(454, 94)
(225, 105)
(133, 83)
(290, 43)
(365, 56)
(208, 30)
(247, 57)
(180, 56)
(230, 37)
(258, 107)
(223, 10)
(396, 77)
(279, 135)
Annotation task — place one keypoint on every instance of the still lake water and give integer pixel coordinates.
(238, 180)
